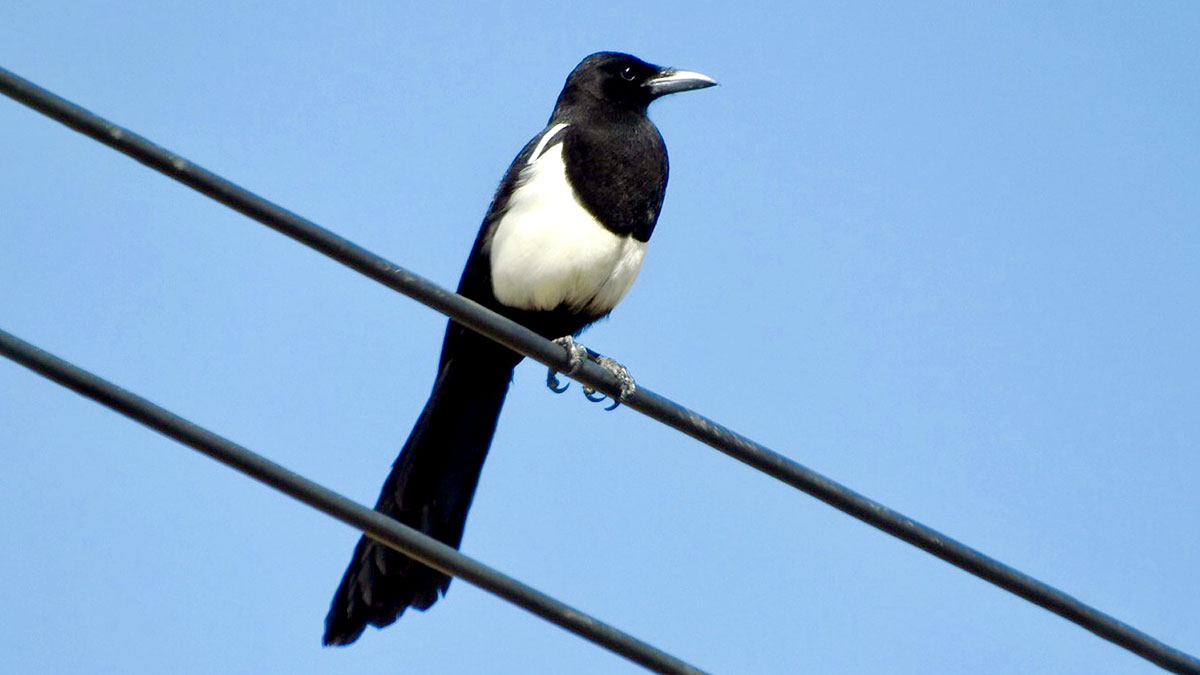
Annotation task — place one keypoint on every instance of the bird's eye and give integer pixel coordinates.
(627, 74)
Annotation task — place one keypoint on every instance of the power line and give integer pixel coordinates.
(527, 342)
(376, 525)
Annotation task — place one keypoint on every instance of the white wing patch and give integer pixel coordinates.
(547, 251)
(546, 137)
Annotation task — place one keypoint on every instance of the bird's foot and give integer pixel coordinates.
(576, 353)
(624, 379)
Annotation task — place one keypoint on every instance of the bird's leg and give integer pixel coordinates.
(575, 355)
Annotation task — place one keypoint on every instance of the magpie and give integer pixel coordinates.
(560, 246)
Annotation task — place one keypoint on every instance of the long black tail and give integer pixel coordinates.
(430, 488)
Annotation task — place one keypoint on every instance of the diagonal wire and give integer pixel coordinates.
(372, 523)
(525, 341)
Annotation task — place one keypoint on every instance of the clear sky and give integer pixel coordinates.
(946, 255)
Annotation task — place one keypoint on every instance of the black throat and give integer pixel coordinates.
(617, 163)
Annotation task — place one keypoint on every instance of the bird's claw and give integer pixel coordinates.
(624, 380)
(553, 383)
(576, 353)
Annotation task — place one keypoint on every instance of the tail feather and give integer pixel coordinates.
(430, 489)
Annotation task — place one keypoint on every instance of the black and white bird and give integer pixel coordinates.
(560, 246)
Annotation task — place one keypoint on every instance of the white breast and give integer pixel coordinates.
(547, 251)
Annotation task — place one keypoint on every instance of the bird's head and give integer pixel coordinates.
(623, 81)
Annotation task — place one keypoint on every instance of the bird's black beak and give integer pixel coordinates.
(669, 81)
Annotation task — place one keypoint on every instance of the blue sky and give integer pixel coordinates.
(946, 255)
